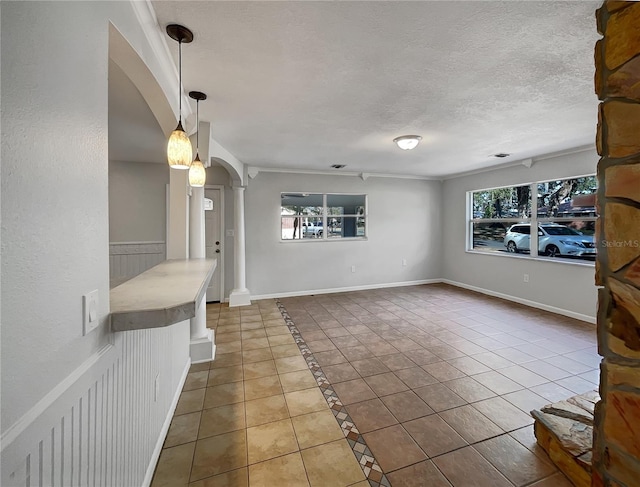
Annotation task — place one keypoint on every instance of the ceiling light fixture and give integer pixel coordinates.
(338, 166)
(179, 150)
(197, 173)
(407, 142)
(501, 155)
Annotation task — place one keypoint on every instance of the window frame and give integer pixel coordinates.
(325, 216)
(533, 221)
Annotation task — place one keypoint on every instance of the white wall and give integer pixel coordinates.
(556, 284)
(137, 201)
(404, 222)
(55, 223)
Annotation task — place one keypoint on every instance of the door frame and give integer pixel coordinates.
(221, 233)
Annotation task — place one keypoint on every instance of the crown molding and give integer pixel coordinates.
(255, 170)
(528, 162)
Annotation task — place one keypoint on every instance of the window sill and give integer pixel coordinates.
(308, 240)
(551, 260)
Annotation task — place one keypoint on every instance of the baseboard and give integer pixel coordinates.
(153, 462)
(526, 302)
(334, 290)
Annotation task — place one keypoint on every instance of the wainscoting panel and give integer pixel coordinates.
(128, 259)
(104, 425)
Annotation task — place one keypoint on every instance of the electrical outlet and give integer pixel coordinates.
(526, 278)
(353, 268)
(90, 320)
(404, 262)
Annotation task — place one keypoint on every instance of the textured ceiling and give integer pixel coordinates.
(304, 85)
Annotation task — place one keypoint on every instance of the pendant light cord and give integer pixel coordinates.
(180, 76)
(197, 127)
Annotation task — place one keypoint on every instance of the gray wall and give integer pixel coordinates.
(558, 284)
(404, 223)
(137, 201)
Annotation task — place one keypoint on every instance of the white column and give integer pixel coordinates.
(240, 295)
(178, 231)
(202, 348)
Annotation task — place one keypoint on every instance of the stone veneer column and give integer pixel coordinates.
(616, 452)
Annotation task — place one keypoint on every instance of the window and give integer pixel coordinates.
(562, 210)
(313, 216)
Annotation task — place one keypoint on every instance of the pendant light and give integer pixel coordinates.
(197, 173)
(179, 150)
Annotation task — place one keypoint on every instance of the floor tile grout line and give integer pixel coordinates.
(353, 436)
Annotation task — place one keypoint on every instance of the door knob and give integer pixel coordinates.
(217, 243)
(217, 251)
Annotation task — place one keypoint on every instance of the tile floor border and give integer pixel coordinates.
(370, 466)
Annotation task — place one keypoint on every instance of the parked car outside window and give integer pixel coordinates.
(553, 240)
(312, 228)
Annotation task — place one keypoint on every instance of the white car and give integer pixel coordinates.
(553, 240)
(311, 228)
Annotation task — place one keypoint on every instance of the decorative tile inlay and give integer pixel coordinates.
(363, 454)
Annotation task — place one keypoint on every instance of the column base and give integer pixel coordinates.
(202, 349)
(239, 297)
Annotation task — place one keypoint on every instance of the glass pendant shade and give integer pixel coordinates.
(197, 173)
(179, 150)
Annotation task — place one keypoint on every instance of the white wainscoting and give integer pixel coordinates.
(128, 259)
(103, 425)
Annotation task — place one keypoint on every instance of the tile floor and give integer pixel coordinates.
(430, 385)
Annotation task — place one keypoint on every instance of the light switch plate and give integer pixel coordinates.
(90, 307)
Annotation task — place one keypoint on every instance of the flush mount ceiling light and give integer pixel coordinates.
(197, 173)
(407, 142)
(179, 150)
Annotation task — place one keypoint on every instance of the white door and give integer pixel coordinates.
(213, 242)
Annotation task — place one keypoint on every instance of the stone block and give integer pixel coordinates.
(623, 83)
(599, 129)
(565, 409)
(588, 406)
(623, 126)
(622, 375)
(565, 461)
(625, 314)
(623, 181)
(621, 234)
(574, 437)
(618, 347)
(622, 421)
(623, 469)
(600, 74)
(615, 5)
(622, 36)
(633, 273)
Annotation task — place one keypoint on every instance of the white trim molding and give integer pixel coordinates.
(526, 302)
(346, 289)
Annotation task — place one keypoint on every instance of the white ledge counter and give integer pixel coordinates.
(161, 296)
